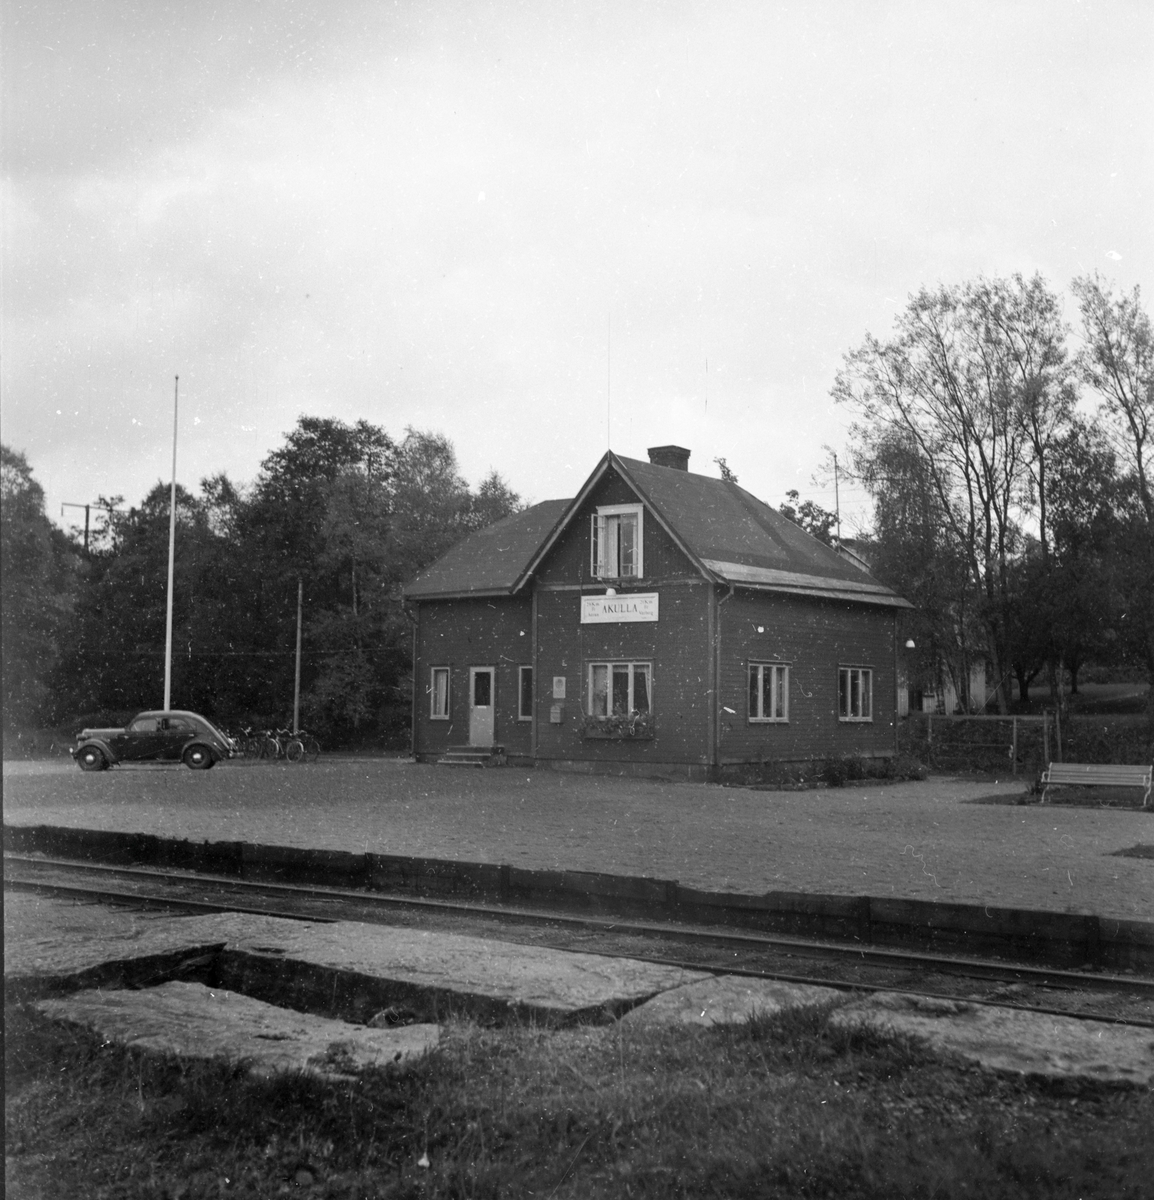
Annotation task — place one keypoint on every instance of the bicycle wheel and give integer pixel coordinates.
(295, 751)
(312, 748)
(269, 747)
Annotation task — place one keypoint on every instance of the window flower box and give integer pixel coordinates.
(621, 727)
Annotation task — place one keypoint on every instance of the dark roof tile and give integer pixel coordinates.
(492, 559)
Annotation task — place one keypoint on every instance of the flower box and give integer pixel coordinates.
(619, 728)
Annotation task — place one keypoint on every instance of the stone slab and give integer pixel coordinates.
(53, 944)
(728, 1000)
(554, 984)
(194, 1021)
(1011, 1041)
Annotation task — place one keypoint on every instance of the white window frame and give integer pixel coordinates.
(605, 545)
(522, 715)
(434, 674)
(865, 694)
(609, 664)
(757, 670)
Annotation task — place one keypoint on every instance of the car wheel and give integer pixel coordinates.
(91, 758)
(198, 758)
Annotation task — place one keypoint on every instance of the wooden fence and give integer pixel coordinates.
(1022, 744)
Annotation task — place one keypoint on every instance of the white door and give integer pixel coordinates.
(482, 709)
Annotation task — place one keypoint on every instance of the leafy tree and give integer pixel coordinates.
(726, 470)
(974, 382)
(815, 520)
(115, 661)
(913, 551)
(353, 515)
(38, 577)
(1117, 360)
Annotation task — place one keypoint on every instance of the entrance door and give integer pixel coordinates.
(482, 710)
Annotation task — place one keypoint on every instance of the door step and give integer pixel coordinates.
(473, 756)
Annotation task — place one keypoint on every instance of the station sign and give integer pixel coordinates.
(634, 606)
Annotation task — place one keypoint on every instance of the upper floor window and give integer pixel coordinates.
(616, 545)
(855, 693)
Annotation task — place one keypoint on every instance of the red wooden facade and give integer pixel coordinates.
(766, 646)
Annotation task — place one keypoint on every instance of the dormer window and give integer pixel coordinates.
(616, 544)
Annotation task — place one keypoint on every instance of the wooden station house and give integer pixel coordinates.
(660, 623)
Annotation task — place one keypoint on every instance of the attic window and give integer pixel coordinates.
(616, 542)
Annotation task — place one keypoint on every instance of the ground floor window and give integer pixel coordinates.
(525, 694)
(619, 689)
(855, 690)
(439, 694)
(769, 691)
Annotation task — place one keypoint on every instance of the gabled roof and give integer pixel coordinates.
(727, 533)
(490, 561)
(739, 539)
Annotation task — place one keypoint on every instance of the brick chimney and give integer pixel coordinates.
(676, 457)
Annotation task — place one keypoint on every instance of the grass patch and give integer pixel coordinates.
(1069, 797)
(782, 1107)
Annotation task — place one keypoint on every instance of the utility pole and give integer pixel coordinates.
(297, 683)
(171, 557)
(87, 510)
(836, 500)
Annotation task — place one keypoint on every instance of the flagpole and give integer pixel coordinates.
(171, 557)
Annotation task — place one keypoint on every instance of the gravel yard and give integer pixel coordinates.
(925, 840)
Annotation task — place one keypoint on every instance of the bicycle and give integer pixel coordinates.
(250, 742)
(282, 738)
(303, 747)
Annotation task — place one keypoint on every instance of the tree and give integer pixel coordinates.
(913, 550)
(815, 520)
(115, 660)
(1117, 360)
(354, 515)
(38, 576)
(973, 383)
(340, 510)
(726, 470)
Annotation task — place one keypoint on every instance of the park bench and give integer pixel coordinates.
(1098, 775)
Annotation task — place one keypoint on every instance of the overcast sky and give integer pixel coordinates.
(539, 228)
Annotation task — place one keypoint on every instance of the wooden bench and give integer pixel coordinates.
(1098, 775)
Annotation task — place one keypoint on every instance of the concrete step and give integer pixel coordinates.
(472, 756)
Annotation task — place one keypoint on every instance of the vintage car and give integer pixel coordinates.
(155, 737)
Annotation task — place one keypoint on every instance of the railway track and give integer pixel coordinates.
(1127, 999)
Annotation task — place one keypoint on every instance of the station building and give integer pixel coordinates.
(660, 623)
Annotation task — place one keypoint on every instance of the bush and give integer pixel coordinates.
(830, 772)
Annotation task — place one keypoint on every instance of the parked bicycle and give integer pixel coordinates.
(249, 742)
(303, 747)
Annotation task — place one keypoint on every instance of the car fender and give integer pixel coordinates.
(101, 744)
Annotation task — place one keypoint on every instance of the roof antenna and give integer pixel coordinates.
(836, 500)
(608, 374)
